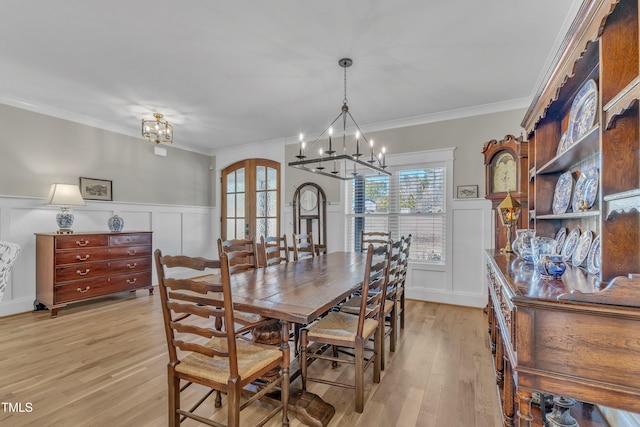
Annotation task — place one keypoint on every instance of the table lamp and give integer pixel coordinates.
(509, 213)
(64, 195)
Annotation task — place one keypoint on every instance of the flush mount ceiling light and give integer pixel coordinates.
(347, 161)
(157, 130)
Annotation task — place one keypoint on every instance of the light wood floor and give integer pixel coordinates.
(104, 364)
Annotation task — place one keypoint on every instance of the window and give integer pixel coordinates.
(411, 201)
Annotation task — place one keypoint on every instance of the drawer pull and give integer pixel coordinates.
(131, 253)
(82, 291)
(132, 281)
(134, 265)
(82, 242)
(82, 258)
(83, 273)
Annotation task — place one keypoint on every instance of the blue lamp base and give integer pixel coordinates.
(65, 220)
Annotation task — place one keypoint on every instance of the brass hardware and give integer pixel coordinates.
(132, 265)
(83, 273)
(82, 258)
(131, 253)
(85, 289)
(129, 281)
(82, 242)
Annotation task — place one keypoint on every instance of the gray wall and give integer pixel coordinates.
(468, 134)
(38, 150)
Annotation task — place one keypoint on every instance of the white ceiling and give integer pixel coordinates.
(242, 71)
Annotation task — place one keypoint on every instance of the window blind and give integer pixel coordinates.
(411, 201)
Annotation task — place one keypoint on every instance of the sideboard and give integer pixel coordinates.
(81, 266)
(558, 336)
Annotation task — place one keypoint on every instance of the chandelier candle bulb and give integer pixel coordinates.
(320, 166)
(330, 150)
(371, 160)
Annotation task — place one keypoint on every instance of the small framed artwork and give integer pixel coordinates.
(467, 192)
(96, 189)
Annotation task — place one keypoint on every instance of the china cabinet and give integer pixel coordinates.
(577, 336)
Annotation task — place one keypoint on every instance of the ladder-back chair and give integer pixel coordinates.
(345, 330)
(275, 249)
(221, 360)
(303, 246)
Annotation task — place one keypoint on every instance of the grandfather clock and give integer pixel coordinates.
(506, 170)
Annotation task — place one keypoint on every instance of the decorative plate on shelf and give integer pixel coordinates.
(561, 235)
(582, 250)
(583, 111)
(562, 194)
(570, 244)
(593, 259)
(578, 192)
(563, 144)
(591, 191)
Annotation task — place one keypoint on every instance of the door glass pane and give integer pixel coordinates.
(272, 227)
(240, 204)
(261, 204)
(240, 180)
(272, 207)
(261, 178)
(272, 179)
(239, 228)
(231, 229)
(231, 205)
(231, 182)
(261, 227)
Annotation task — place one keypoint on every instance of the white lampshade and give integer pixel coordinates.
(64, 195)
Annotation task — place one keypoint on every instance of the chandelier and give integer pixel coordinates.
(157, 130)
(357, 152)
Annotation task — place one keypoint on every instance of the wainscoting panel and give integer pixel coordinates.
(460, 280)
(177, 230)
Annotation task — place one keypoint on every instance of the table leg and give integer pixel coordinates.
(309, 408)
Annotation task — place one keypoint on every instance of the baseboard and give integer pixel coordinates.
(454, 298)
(16, 306)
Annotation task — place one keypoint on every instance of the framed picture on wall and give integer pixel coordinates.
(467, 192)
(96, 189)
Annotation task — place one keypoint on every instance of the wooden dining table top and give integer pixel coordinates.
(297, 291)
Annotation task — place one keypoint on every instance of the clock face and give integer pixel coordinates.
(308, 200)
(504, 177)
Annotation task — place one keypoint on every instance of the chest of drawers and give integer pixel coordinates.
(81, 266)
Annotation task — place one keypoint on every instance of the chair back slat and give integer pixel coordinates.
(395, 267)
(376, 238)
(189, 316)
(276, 250)
(241, 252)
(192, 285)
(303, 246)
(374, 286)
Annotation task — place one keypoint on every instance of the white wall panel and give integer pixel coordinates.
(174, 227)
(167, 232)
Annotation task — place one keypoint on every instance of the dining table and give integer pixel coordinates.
(297, 293)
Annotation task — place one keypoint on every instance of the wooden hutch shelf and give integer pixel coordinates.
(579, 336)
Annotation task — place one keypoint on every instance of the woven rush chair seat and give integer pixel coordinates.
(339, 326)
(252, 358)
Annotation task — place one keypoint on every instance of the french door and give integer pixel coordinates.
(251, 199)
